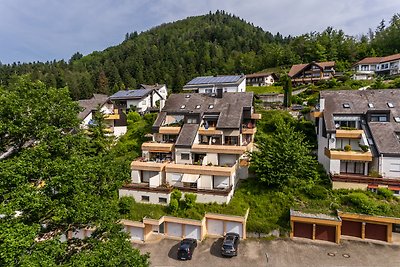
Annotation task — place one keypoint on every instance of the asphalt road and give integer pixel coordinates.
(283, 252)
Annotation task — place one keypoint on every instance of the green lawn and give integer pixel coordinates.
(264, 89)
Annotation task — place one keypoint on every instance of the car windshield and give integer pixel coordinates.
(227, 246)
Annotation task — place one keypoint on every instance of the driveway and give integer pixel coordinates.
(283, 252)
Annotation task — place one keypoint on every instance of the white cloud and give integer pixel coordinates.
(45, 30)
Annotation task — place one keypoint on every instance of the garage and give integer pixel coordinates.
(234, 227)
(215, 227)
(351, 228)
(192, 231)
(304, 230)
(174, 229)
(136, 233)
(325, 232)
(376, 231)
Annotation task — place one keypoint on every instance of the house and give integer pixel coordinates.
(199, 146)
(103, 103)
(261, 79)
(358, 138)
(146, 99)
(312, 72)
(366, 68)
(213, 84)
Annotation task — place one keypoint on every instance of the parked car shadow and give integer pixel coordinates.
(215, 249)
(173, 252)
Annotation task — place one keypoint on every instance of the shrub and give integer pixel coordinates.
(364, 148)
(189, 200)
(125, 204)
(361, 202)
(374, 173)
(347, 147)
(176, 194)
(317, 192)
(173, 205)
(386, 193)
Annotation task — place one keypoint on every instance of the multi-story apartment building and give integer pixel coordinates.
(358, 138)
(312, 72)
(199, 146)
(213, 84)
(370, 66)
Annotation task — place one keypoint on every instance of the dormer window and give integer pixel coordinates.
(198, 106)
(183, 106)
(397, 119)
(390, 105)
(370, 105)
(211, 106)
(346, 105)
(187, 96)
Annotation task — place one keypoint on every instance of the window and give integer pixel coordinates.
(191, 120)
(211, 106)
(198, 106)
(162, 200)
(395, 167)
(397, 119)
(183, 106)
(185, 156)
(145, 198)
(176, 177)
(187, 96)
(370, 105)
(379, 117)
(390, 105)
(208, 91)
(346, 105)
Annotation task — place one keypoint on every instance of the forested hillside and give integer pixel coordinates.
(216, 43)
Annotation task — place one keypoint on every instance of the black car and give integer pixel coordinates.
(186, 248)
(230, 245)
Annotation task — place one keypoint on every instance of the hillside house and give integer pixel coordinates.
(199, 146)
(214, 84)
(261, 79)
(312, 72)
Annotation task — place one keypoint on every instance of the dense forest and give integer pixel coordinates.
(216, 43)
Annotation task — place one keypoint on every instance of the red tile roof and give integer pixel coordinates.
(390, 58)
(299, 67)
(369, 60)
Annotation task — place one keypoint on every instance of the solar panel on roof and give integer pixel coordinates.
(212, 79)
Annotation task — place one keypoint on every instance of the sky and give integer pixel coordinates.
(44, 30)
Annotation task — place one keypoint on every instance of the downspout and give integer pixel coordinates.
(380, 164)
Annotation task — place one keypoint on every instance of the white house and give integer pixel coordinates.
(261, 79)
(199, 146)
(370, 66)
(215, 84)
(146, 99)
(358, 138)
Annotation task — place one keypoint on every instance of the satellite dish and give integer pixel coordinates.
(332, 140)
(213, 140)
(337, 125)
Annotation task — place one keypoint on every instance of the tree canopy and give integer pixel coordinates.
(59, 182)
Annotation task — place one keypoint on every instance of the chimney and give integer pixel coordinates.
(219, 93)
(321, 104)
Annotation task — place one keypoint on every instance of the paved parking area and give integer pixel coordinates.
(255, 252)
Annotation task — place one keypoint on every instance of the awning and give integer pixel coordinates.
(372, 186)
(190, 178)
(394, 188)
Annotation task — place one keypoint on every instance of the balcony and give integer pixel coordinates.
(113, 116)
(222, 149)
(351, 134)
(148, 165)
(170, 130)
(209, 131)
(349, 155)
(256, 116)
(162, 189)
(158, 147)
(199, 169)
(249, 130)
(364, 179)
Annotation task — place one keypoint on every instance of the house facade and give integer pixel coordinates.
(199, 146)
(147, 98)
(358, 138)
(216, 84)
(371, 66)
(312, 72)
(261, 79)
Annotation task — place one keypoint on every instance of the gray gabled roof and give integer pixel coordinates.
(88, 105)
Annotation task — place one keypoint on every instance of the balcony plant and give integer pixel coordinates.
(364, 148)
(347, 148)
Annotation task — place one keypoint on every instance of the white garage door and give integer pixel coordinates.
(234, 227)
(174, 229)
(135, 232)
(215, 227)
(192, 231)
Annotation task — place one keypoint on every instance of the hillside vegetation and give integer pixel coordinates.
(216, 43)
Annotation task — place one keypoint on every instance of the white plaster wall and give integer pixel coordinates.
(390, 167)
(170, 178)
(334, 166)
(86, 120)
(205, 182)
(213, 158)
(242, 86)
(154, 178)
(135, 175)
(178, 152)
(227, 159)
(137, 195)
(120, 130)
